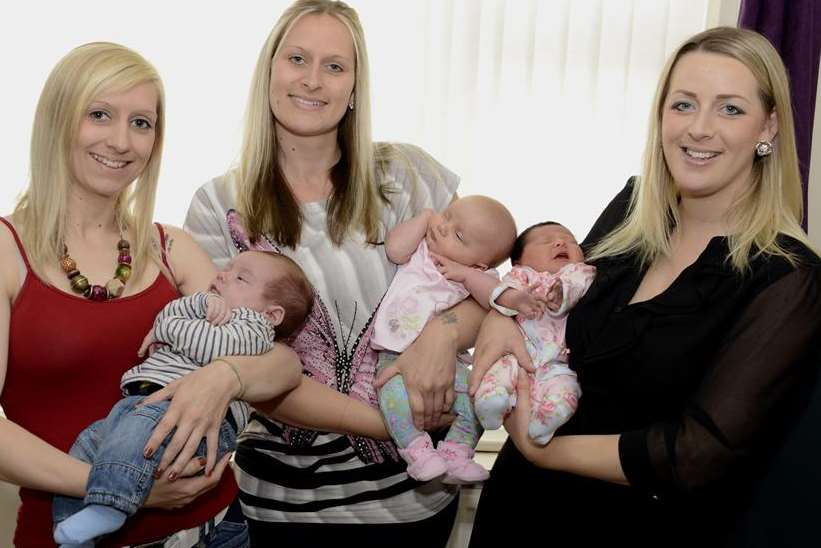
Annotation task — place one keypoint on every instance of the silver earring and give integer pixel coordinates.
(763, 148)
(350, 103)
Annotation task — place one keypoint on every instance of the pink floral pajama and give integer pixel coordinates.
(554, 391)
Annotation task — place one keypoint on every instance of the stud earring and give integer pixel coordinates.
(763, 148)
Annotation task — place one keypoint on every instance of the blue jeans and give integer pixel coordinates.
(231, 532)
(121, 477)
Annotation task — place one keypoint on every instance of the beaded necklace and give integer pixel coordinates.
(115, 286)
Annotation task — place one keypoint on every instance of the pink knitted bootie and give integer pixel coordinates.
(424, 463)
(461, 466)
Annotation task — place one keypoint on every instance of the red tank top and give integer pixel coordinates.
(66, 357)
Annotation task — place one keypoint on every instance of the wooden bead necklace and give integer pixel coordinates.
(113, 289)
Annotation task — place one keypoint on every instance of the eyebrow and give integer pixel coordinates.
(720, 96)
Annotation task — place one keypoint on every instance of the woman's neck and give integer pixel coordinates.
(90, 216)
(306, 163)
(704, 217)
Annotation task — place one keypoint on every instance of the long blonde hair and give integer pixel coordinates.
(82, 75)
(771, 205)
(264, 198)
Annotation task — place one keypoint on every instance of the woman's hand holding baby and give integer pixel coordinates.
(498, 336)
(192, 483)
(199, 402)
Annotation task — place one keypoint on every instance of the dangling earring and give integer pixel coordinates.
(763, 148)
(350, 103)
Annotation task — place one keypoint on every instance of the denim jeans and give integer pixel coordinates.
(120, 475)
(231, 532)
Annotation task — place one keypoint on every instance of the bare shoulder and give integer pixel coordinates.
(9, 261)
(177, 243)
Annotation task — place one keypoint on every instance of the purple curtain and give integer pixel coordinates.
(794, 28)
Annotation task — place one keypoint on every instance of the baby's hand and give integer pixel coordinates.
(147, 345)
(555, 295)
(526, 304)
(218, 312)
(451, 270)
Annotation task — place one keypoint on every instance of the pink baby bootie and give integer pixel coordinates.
(424, 463)
(461, 466)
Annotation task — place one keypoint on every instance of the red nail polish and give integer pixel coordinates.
(148, 453)
(172, 476)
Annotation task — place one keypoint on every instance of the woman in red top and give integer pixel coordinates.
(67, 335)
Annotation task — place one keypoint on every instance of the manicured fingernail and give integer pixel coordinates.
(148, 452)
(201, 460)
(157, 473)
(172, 476)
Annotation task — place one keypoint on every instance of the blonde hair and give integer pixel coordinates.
(264, 197)
(771, 205)
(82, 75)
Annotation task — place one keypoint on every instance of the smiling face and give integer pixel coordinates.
(550, 247)
(473, 231)
(115, 140)
(312, 76)
(711, 120)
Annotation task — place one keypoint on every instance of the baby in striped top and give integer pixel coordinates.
(258, 295)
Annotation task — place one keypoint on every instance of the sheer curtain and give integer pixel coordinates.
(541, 104)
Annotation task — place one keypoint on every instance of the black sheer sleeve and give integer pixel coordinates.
(773, 346)
(611, 217)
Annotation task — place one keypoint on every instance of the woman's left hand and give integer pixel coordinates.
(199, 402)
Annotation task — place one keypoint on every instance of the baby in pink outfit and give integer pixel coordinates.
(548, 265)
(443, 258)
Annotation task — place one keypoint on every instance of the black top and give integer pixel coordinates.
(702, 382)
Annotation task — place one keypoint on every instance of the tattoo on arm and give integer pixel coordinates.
(169, 241)
(448, 317)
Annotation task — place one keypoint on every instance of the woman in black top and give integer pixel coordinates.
(696, 343)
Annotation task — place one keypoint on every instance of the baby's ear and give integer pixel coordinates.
(274, 313)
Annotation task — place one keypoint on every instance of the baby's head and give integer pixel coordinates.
(473, 231)
(269, 283)
(546, 247)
